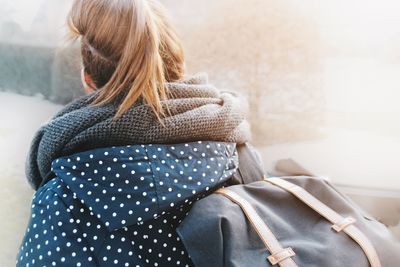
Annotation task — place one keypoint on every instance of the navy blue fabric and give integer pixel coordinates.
(120, 206)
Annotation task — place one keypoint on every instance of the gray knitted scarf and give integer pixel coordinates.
(198, 112)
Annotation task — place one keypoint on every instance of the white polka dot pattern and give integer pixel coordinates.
(120, 206)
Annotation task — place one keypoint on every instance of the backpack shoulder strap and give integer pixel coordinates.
(251, 167)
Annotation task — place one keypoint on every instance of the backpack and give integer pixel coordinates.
(286, 221)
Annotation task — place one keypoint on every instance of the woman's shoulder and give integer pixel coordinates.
(54, 235)
(49, 191)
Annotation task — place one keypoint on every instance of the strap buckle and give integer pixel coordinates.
(339, 226)
(281, 255)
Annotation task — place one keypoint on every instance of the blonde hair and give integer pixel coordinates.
(128, 46)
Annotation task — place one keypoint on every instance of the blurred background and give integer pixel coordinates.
(322, 79)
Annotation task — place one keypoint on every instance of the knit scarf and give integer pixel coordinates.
(198, 110)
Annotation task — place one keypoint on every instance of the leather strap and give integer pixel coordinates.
(279, 255)
(339, 223)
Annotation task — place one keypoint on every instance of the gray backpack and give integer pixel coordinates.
(286, 221)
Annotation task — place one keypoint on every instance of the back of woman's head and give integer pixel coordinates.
(127, 46)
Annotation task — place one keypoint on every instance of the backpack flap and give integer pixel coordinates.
(217, 232)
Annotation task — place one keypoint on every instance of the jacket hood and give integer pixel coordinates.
(128, 185)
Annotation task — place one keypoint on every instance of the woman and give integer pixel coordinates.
(118, 169)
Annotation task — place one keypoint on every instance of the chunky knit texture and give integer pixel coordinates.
(199, 111)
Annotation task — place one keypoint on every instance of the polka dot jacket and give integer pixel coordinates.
(120, 206)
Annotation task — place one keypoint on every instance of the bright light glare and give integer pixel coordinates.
(362, 66)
